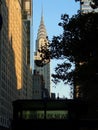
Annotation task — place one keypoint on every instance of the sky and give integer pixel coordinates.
(52, 10)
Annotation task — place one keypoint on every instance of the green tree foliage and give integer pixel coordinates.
(94, 4)
(78, 46)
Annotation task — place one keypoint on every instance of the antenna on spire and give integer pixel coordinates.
(42, 16)
(42, 11)
(42, 8)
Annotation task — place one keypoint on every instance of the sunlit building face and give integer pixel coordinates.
(85, 6)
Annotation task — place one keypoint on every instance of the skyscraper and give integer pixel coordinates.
(15, 73)
(41, 41)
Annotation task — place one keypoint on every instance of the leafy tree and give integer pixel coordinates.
(78, 46)
(78, 43)
(94, 4)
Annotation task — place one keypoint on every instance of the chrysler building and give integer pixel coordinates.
(41, 41)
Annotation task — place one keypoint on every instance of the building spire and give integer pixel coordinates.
(42, 30)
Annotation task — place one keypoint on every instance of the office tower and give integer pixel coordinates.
(85, 6)
(25, 90)
(15, 73)
(39, 90)
(41, 41)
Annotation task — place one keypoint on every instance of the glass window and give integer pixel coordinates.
(33, 114)
(27, 5)
(56, 114)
